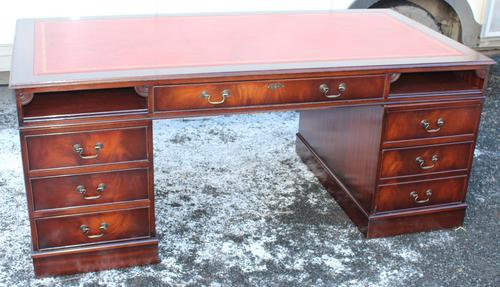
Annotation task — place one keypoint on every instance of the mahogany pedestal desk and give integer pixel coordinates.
(389, 115)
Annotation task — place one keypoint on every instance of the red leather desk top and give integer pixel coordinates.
(65, 46)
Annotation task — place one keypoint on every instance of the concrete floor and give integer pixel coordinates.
(236, 207)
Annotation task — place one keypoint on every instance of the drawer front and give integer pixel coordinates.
(88, 189)
(240, 94)
(92, 228)
(420, 194)
(423, 160)
(87, 148)
(431, 122)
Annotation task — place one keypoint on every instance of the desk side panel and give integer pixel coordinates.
(347, 140)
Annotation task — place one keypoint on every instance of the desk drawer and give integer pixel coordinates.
(416, 122)
(420, 194)
(253, 93)
(70, 149)
(92, 228)
(89, 189)
(423, 160)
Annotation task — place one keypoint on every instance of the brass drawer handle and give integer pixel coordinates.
(102, 228)
(324, 89)
(421, 162)
(414, 195)
(82, 189)
(80, 151)
(427, 125)
(208, 96)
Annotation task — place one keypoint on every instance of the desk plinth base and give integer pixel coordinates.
(373, 226)
(99, 257)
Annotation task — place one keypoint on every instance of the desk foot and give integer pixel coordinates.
(86, 259)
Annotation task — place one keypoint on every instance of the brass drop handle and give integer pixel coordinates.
(421, 162)
(102, 228)
(82, 189)
(206, 95)
(80, 151)
(414, 195)
(324, 89)
(427, 125)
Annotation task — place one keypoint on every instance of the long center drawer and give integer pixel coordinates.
(254, 93)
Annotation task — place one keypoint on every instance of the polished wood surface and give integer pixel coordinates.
(387, 124)
(210, 96)
(403, 162)
(66, 230)
(87, 259)
(57, 150)
(58, 210)
(84, 189)
(408, 122)
(408, 223)
(347, 140)
(420, 194)
(379, 225)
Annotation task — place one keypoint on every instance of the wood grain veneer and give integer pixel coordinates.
(347, 140)
(94, 258)
(402, 161)
(57, 150)
(246, 94)
(66, 230)
(66, 190)
(406, 123)
(399, 196)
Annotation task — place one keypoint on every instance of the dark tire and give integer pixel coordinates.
(412, 11)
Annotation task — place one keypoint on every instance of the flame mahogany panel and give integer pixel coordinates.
(96, 258)
(410, 223)
(56, 150)
(65, 230)
(402, 162)
(61, 191)
(244, 94)
(347, 140)
(406, 124)
(397, 196)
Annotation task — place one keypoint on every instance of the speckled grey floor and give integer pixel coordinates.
(236, 207)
